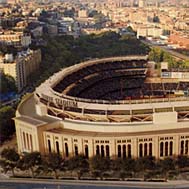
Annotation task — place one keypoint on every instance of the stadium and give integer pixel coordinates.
(108, 107)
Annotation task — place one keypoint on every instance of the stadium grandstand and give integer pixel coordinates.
(102, 106)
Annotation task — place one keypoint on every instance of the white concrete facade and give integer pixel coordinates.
(155, 127)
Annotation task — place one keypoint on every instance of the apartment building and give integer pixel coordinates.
(21, 66)
(17, 39)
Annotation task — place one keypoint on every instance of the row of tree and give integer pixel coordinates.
(158, 55)
(7, 127)
(63, 51)
(94, 167)
(7, 84)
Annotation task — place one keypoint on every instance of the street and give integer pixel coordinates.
(165, 48)
(91, 184)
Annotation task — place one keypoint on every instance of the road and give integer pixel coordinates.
(75, 184)
(175, 54)
(165, 48)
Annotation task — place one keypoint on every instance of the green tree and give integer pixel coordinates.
(71, 51)
(99, 165)
(30, 161)
(186, 64)
(117, 164)
(145, 163)
(9, 159)
(129, 166)
(53, 162)
(7, 127)
(156, 54)
(7, 84)
(182, 161)
(125, 166)
(145, 166)
(79, 164)
(166, 165)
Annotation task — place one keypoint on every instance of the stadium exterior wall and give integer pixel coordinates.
(162, 135)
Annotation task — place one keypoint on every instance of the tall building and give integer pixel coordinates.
(21, 66)
(17, 39)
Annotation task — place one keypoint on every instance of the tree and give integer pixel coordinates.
(149, 162)
(166, 165)
(99, 165)
(9, 159)
(145, 166)
(79, 164)
(182, 161)
(156, 55)
(117, 164)
(7, 84)
(7, 127)
(30, 161)
(123, 166)
(73, 50)
(53, 162)
(129, 164)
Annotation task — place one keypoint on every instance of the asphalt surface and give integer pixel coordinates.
(78, 184)
(167, 49)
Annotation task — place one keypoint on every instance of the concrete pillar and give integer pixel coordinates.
(113, 148)
(184, 147)
(20, 140)
(134, 148)
(156, 147)
(70, 147)
(176, 145)
(91, 148)
(62, 147)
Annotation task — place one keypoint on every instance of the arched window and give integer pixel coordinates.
(171, 148)
(145, 149)
(86, 151)
(140, 150)
(57, 147)
(182, 147)
(27, 138)
(150, 149)
(107, 151)
(76, 150)
(129, 150)
(31, 142)
(66, 150)
(166, 148)
(24, 136)
(102, 150)
(49, 145)
(161, 149)
(119, 151)
(124, 151)
(97, 150)
(186, 147)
